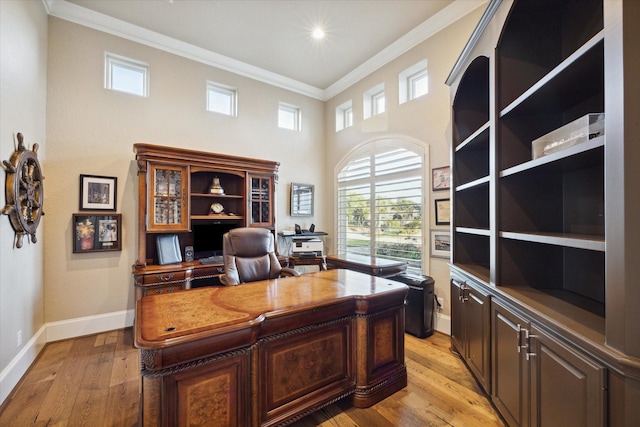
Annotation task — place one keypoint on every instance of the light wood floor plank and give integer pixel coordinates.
(59, 401)
(90, 403)
(95, 380)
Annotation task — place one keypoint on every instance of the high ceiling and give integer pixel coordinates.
(271, 39)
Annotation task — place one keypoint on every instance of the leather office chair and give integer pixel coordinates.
(248, 255)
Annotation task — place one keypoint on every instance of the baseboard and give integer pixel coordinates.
(55, 331)
(11, 375)
(442, 323)
(88, 325)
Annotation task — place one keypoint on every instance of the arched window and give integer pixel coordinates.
(381, 202)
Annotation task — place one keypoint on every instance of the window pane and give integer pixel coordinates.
(392, 227)
(356, 170)
(344, 116)
(413, 82)
(398, 216)
(354, 219)
(419, 85)
(222, 99)
(348, 118)
(378, 103)
(127, 79)
(219, 102)
(397, 161)
(289, 117)
(373, 101)
(286, 119)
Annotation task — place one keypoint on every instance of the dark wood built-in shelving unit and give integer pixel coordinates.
(542, 253)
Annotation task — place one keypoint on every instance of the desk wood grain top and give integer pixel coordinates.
(219, 310)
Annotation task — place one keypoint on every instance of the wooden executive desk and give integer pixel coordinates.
(269, 352)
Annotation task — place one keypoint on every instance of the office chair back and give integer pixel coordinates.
(249, 255)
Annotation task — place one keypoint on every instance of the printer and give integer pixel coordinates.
(306, 246)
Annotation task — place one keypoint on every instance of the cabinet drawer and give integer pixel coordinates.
(209, 271)
(169, 276)
(155, 290)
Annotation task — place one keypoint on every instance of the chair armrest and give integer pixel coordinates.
(286, 271)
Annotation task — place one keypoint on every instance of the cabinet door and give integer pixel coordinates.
(212, 394)
(470, 329)
(168, 189)
(477, 312)
(261, 201)
(567, 388)
(510, 370)
(457, 318)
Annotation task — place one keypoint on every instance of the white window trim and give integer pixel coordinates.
(296, 111)
(231, 91)
(111, 59)
(344, 116)
(406, 78)
(368, 101)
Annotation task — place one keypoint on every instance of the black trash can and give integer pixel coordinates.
(418, 314)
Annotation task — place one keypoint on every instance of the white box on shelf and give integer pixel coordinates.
(583, 129)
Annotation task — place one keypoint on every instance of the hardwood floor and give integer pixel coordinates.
(94, 381)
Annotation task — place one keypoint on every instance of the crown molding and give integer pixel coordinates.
(447, 16)
(100, 22)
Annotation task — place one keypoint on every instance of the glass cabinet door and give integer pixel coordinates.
(168, 210)
(261, 200)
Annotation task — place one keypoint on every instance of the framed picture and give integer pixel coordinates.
(440, 243)
(301, 199)
(443, 211)
(441, 178)
(97, 233)
(98, 193)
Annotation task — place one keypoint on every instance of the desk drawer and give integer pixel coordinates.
(162, 289)
(169, 276)
(208, 271)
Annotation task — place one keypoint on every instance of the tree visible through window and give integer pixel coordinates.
(380, 204)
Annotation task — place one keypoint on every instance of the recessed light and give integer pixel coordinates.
(318, 33)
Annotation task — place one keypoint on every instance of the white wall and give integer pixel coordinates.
(23, 85)
(91, 130)
(426, 119)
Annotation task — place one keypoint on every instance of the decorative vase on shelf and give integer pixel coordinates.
(216, 188)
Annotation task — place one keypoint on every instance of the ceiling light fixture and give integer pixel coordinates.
(318, 33)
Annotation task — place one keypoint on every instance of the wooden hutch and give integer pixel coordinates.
(545, 250)
(186, 192)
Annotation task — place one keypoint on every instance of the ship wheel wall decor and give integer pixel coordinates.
(24, 191)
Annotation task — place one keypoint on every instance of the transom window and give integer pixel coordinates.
(222, 99)
(344, 116)
(374, 101)
(289, 117)
(413, 82)
(418, 85)
(380, 203)
(126, 75)
(378, 103)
